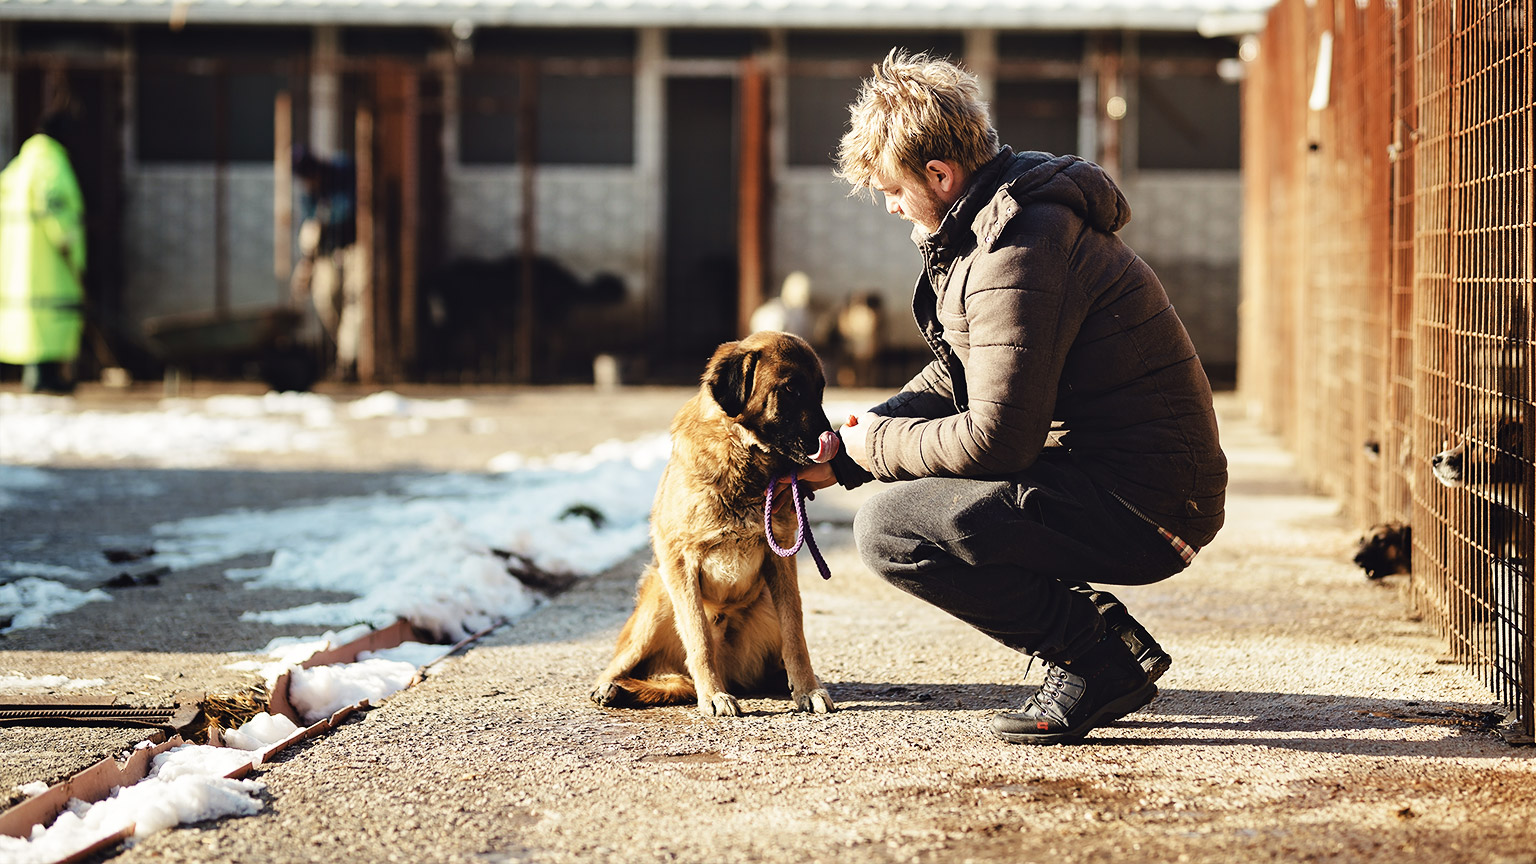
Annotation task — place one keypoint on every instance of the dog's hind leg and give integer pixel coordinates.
(670, 688)
(784, 587)
(648, 639)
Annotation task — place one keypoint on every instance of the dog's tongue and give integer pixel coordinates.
(827, 446)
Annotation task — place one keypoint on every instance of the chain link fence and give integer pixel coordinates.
(1386, 319)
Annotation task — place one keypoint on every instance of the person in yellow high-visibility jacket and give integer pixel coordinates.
(42, 259)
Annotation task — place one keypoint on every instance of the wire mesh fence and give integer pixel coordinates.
(1388, 292)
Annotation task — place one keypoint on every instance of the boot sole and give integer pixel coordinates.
(1108, 713)
(1155, 665)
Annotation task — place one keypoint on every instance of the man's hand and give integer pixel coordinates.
(812, 477)
(853, 434)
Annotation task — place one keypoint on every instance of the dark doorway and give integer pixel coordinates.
(700, 280)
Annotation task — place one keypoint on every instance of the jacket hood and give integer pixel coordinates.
(1070, 181)
(1012, 181)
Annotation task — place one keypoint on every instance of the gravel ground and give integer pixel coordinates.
(1306, 717)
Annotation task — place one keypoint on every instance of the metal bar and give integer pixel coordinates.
(1527, 730)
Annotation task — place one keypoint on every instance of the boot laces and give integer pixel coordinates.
(1056, 679)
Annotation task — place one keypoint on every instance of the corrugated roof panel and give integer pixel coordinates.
(1012, 14)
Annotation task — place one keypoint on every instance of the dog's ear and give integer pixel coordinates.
(730, 377)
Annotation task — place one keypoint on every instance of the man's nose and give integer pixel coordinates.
(891, 206)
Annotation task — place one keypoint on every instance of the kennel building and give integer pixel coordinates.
(682, 149)
(1388, 269)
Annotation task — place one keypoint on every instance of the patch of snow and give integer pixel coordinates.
(320, 691)
(387, 403)
(260, 732)
(286, 652)
(46, 571)
(17, 681)
(417, 654)
(185, 434)
(185, 785)
(30, 602)
(427, 555)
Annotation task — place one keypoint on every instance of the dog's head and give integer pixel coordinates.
(1386, 550)
(771, 385)
(1449, 466)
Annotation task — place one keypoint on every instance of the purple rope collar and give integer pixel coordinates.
(802, 526)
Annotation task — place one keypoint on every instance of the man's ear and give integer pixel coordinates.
(942, 177)
(730, 376)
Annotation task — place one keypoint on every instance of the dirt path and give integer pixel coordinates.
(1305, 718)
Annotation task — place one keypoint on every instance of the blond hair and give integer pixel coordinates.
(913, 109)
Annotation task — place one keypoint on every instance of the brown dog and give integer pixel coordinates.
(716, 610)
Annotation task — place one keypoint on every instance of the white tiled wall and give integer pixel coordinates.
(170, 244)
(845, 244)
(590, 219)
(1186, 215)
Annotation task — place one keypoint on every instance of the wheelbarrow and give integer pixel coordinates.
(265, 335)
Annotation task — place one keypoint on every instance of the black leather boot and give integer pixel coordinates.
(1148, 653)
(1102, 685)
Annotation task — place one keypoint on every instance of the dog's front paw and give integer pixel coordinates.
(606, 694)
(720, 705)
(816, 701)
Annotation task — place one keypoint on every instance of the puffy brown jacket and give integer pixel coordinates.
(1047, 330)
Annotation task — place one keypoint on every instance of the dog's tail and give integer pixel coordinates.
(666, 689)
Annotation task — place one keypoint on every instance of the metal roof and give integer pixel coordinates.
(894, 14)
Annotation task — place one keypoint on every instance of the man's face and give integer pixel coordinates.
(923, 201)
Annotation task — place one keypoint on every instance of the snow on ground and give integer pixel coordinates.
(188, 783)
(15, 681)
(184, 433)
(46, 571)
(434, 552)
(30, 601)
(285, 652)
(192, 433)
(260, 732)
(320, 691)
(427, 553)
(185, 784)
(387, 403)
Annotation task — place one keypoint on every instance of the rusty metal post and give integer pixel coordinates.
(750, 222)
(282, 192)
(1110, 112)
(367, 370)
(409, 240)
